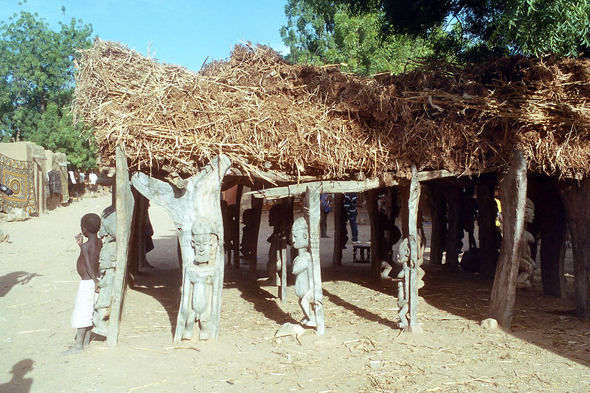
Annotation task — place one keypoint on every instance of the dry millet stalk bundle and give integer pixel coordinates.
(301, 120)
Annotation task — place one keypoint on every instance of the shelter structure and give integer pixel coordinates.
(286, 129)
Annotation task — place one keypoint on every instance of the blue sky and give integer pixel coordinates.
(182, 32)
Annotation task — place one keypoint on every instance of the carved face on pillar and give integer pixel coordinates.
(204, 241)
(529, 211)
(299, 234)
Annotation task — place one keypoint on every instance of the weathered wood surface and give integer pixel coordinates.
(124, 207)
(577, 202)
(513, 189)
(415, 270)
(337, 187)
(342, 186)
(312, 201)
(200, 198)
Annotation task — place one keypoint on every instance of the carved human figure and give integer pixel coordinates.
(274, 264)
(102, 306)
(403, 258)
(199, 281)
(526, 268)
(302, 268)
(108, 256)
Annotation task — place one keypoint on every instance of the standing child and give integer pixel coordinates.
(87, 267)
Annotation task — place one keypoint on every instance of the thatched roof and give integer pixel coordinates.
(301, 120)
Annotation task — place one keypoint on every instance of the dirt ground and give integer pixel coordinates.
(362, 350)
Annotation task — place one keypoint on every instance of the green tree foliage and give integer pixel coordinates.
(477, 29)
(327, 33)
(37, 84)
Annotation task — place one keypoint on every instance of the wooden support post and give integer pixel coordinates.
(372, 208)
(513, 188)
(577, 203)
(338, 229)
(415, 270)
(197, 204)
(138, 229)
(312, 202)
(404, 196)
(438, 238)
(285, 234)
(486, 221)
(124, 208)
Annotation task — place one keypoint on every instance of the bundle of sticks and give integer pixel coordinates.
(272, 116)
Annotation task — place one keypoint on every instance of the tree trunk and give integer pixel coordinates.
(513, 188)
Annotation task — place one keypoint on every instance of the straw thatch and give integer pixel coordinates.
(300, 120)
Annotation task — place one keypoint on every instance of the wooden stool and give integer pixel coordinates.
(362, 248)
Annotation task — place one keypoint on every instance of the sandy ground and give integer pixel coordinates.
(362, 350)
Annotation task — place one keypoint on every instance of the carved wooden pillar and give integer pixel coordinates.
(339, 224)
(513, 188)
(577, 203)
(198, 202)
(312, 202)
(124, 208)
(488, 255)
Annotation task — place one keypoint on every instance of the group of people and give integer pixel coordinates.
(77, 181)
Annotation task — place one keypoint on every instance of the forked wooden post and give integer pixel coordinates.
(197, 203)
(124, 208)
(513, 189)
(312, 201)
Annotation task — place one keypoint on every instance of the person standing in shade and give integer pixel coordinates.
(350, 199)
(325, 210)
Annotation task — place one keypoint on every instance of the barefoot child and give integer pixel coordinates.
(87, 267)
